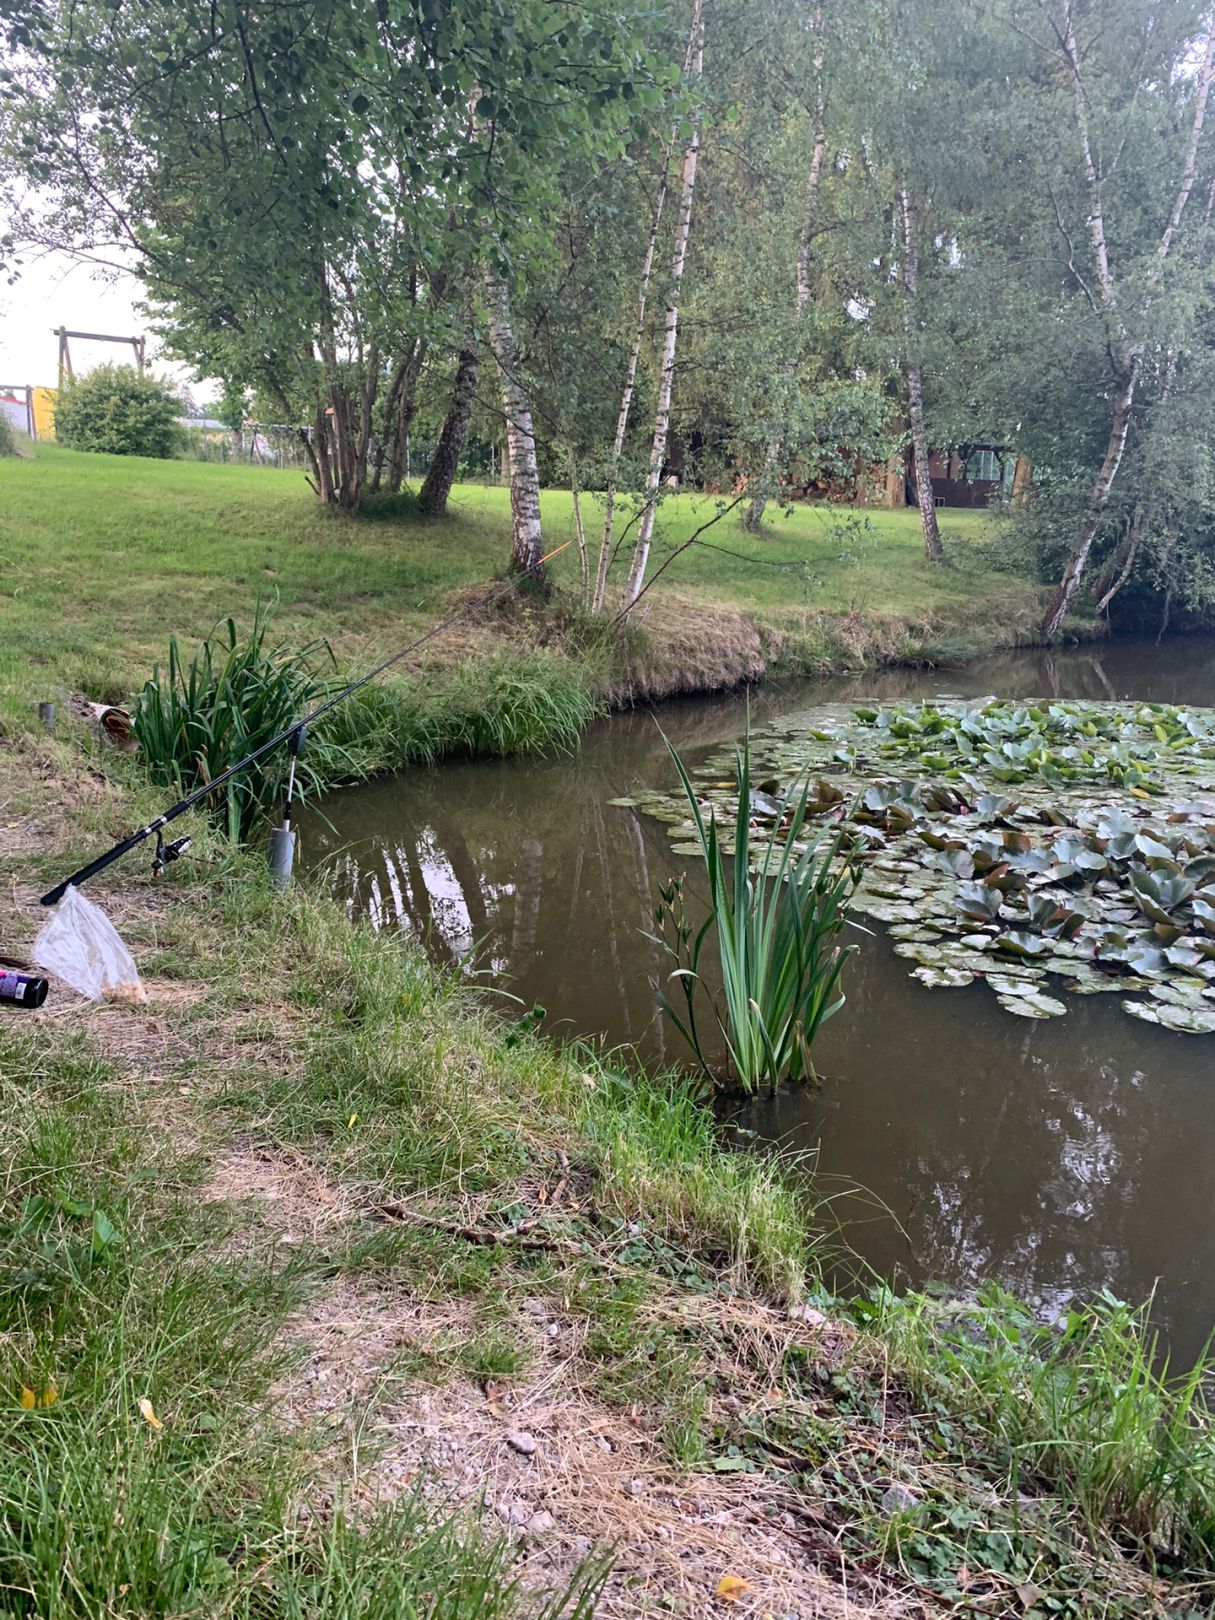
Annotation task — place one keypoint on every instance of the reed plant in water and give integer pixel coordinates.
(776, 918)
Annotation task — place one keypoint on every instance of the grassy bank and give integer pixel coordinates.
(431, 1314)
(326, 1291)
(105, 556)
(431, 1317)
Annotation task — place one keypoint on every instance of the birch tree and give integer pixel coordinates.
(527, 542)
(1119, 304)
(666, 379)
(627, 392)
(909, 274)
(441, 475)
(818, 151)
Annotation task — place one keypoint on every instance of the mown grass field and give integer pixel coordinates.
(105, 556)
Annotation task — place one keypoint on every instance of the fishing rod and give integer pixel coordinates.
(169, 852)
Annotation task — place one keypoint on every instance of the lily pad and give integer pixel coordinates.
(1182, 1020)
(1095, 866)
(1034, 1004)
(943, 978)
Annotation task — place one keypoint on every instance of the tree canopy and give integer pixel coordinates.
(769, 249)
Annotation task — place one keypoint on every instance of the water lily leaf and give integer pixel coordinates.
(1183, 1020)
(1158, 893)
(1152, 847)
(1089, 983)
(882, 909)
(957, 863)
(943, 978)
(994, 806)
(978, 900)
(1032, 1005)
(764, 806)
(1186, 957)
(1017, 943)
(1181, 995)
(1147, 962)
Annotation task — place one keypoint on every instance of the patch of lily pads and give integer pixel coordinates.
(1046, 850)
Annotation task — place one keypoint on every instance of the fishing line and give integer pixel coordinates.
(170, 852)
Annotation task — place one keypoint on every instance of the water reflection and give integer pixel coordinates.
(1056, 1157)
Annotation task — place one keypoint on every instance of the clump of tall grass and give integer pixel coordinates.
(1086, 1405)
(194, 719)
(514, 704)
(662, 1162)
(777, 933)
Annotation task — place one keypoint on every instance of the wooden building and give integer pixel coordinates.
(971, 475)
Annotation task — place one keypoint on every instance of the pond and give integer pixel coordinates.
(956, 1142)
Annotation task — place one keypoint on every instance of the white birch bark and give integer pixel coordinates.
(755, 512)
(527, 545)
(630, 375)
(662, 414)
(909, 287)
(1126, 354)
(626, 397)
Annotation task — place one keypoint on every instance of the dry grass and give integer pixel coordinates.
(597, 1476)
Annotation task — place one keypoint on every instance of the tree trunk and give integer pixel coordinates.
(407, 409)
(626, 397)
(754, 518)
(432, 498)
(896, 481)
(630, 374)
(584, 560)
(527, 546)
(324, 466)
(1023, 474)
(812, 180)
(1124, 560)
(1125, 350)
(662, 414)
(915, 382)
(400, 407)
(385, 436)
(1120, 421)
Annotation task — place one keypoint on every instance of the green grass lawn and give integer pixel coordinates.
(105, 556)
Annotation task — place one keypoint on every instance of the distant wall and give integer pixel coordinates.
(30, 410)
(44, 412)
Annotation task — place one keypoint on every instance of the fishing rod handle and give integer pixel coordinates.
(53, 896)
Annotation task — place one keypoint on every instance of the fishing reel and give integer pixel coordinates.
(167, 853)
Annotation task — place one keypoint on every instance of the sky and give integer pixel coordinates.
(56, 290)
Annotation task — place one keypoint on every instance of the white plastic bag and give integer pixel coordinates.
(81, 946)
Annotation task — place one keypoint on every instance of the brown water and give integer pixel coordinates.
(1057, 1157)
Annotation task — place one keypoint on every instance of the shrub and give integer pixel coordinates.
(8, 444)
(115, 410)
